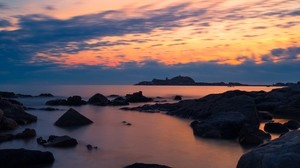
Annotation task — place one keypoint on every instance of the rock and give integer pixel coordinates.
(144, 165)
(250, 137)
(24, 95)
(137, 97)
(57, 102)
(45, 95)
(89, 147)
(75, 101)
(99, 100)
(119, 101)
(8, 95)
(8, 124)
(177, 97)
(14, 158)
(15, 102)
(6, 137)
(275, 128)
(26, 134)
(292, 124)
(219, 125)
(281, 152)
(16, 112)
(49, 109)
(72, 118)
(58, 141)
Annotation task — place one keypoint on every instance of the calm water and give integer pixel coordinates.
(153, 138)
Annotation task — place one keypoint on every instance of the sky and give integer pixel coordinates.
(124, 42)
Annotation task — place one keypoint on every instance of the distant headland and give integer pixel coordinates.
(188, 81)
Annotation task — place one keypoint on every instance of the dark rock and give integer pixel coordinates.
(89, 147)
(119, 101)
(144, 165)
(26, 134)
(178, 80)
(60, 141)
(15, 102)
(41, 141)
(137, 97)
(57, 102)
(292, 124)
(49, 109)
(99, 100)
(275, 128)
(177, 97)
(72, 118)
(7, 123)
(24, 95)
(75, 101)
(281, 152)
(45, 95)
(128, 124)
(15, 158)
(16, 112)
(114, 96)
(225, 125)
(6, 137)
(8, 95)
(250, 137)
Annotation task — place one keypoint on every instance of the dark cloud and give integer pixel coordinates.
(4, 23)
(288, 53)
(260, 27)
(277, 51)
(295, 13)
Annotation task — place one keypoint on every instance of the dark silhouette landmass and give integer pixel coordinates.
(188, 81)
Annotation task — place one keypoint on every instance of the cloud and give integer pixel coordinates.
(288, 53)
(49, 7)
(4, 23)
(3, 6)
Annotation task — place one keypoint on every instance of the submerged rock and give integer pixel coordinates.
(119, 101)
(14, 158)
(58, 141)
(137, 97)
(144, 165)
(45, 95)
(99, 100)
(278, 153)
(71, 101)
(72, 118)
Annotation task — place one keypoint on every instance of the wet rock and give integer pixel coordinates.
(137, 97)
(24, 95)
(6, 137)
(119, 101)
(75, 101)
(278, 153)
(16, 112)
(250, 137)
(275, 128)
(99, 100)
(26, 134)
(144, 165)
(8, 124)
(89, 147)
(8, 95)
(177, 97)
(58, 141)
(15, 158)
(57, 102)
(265, 116)
(72, 118)
(292, 124)
(45, 95)
(49, 109)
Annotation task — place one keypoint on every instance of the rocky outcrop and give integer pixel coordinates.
(72, 118)
(99, 100)
(7, 95)
(281, 152)
(144, 165)
(71, 101)
(137, 97)
(275, 128)
(26, 134)
(177, 97)
(14, 158)
(292, 124)
(119, 101)
(16, 112)
(250, 137)
(58, 141)
(45, 95)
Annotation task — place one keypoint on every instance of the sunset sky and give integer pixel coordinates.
(127, 41)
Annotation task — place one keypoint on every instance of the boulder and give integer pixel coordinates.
(57, 102)
(8, 124)
(58, 141)
(26, 134)
(72, 118)
(137, 97)
(278, 153)
(45, 95)
(264, 116)
(6, 137)
(275, 128)
(75, 101)
(220, 125)
(119, 101)
(14, 158)
(144, 165)
(292, 124)
(250, 137)
(8, 95)
(99, 100)
(16, 112)
(177, 97)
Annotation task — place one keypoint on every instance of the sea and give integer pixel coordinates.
(152, 138)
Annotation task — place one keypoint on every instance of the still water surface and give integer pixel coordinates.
(152, 138)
